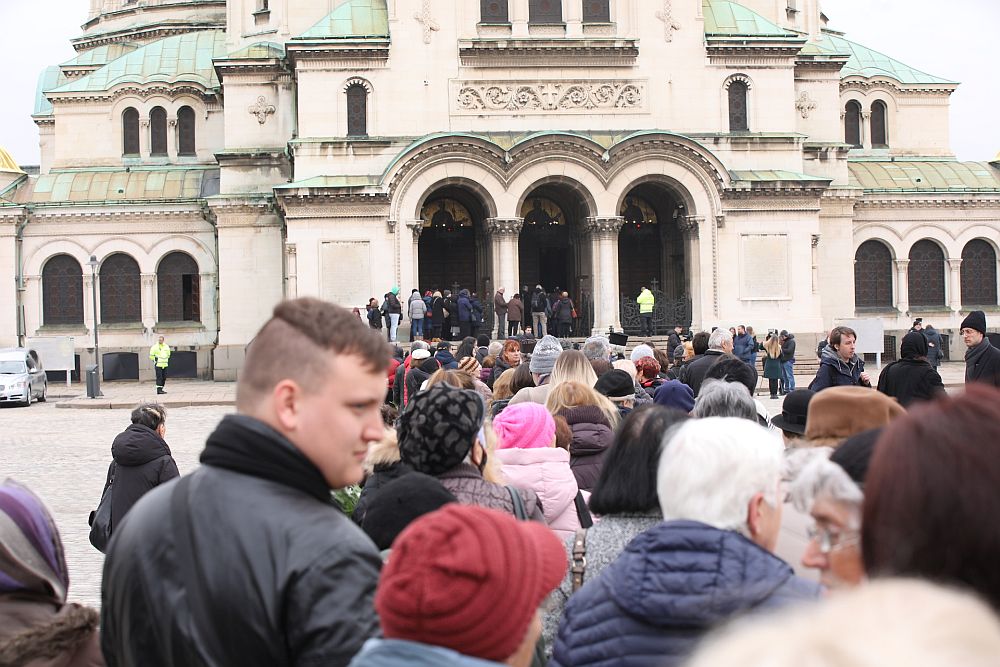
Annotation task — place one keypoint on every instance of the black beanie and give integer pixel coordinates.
(975, 320)
(615, 384)
(399, 503)
(855, 453)
(914, 345)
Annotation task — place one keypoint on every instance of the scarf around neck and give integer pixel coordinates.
(973, 355)
(249, 446)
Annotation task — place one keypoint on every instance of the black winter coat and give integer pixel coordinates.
(985, 366)
(910, 380)
(280, 575)
(437, 311)
(381, 475)
(693, 372)
(142, 462)
(788, 349)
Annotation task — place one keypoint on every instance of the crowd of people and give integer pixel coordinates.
(538, 504)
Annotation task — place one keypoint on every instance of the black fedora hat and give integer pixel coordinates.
(794, 410)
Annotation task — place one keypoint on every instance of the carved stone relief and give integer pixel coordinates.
(427, 21)
(549, 96)
(805, 104)
(669, 22)
(261, 109)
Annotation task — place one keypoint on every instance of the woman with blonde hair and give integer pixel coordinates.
(591, 418)
(772, 363)
(461, 379)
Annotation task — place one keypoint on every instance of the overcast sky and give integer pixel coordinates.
(956, 40)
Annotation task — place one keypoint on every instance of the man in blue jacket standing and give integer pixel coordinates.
(743, 345)
(710, 561)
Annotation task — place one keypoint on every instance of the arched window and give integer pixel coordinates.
(130, 132)
(158, 131)
(738, 121)
(596, 11)
(357, 110)
(493, 11)
(880, 132)
(178, 289)
(926, 274)
(62, 291)
(185, 131)
(120, 290)
(873, 276)
(979, 274)
(544, 11)
(852, 124)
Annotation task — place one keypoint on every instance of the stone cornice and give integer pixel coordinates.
(504, 226)
(142, 91)
(150, 32)
(518, 52)
(916, 89)
(925, 202)
(338, 52)
(230, 68)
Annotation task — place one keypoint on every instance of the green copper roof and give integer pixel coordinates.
(352, 19)
(868, 63)
(50, 78)
(186, 57)
(101, 55)
(729, 19)
(331, 182)
(924, 176)
(119, 185)
(771, 175)
(258, 51)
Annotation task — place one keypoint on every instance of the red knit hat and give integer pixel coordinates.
(469, 579)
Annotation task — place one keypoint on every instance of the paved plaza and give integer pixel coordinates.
(63, 454)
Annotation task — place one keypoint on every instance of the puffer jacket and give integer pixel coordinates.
(464, 307)
(142, 462)
(37, 632)
(467, 484)
(605, 542)
(743, 347)
(592, 435)
(835, 372)
(447, 359)
(671, 585)
(546, 471)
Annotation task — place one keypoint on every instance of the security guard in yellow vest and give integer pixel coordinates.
(159, 354)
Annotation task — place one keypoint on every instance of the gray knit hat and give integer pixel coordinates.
(543, 358)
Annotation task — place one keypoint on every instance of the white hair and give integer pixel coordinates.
(887, 622)
(712, 468)
(718, 398)
(719, 338)
(814, 476)
(597, 347)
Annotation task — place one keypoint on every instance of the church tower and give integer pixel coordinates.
(144, 21)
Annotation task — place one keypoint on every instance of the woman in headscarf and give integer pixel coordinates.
(37, 626)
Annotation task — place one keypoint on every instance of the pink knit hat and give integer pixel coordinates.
(524, 426)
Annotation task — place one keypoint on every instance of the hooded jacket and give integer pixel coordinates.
(670, 586)
(911, 378)
(515, 310)
(546, 471)
(142, 462)
(592, 435)
(835, 372)
(788, 348)
(447, 359)
(464, 307)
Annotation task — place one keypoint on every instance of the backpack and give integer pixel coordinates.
(375, 318)
(100, 519)
(539, 302)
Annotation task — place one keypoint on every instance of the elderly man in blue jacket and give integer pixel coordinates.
(710, 561)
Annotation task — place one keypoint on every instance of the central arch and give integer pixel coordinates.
(553, 248)
(453, 249)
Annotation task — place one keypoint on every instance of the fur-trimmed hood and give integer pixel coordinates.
(33, 631)
(382, 453)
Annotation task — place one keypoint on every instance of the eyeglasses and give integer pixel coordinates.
(832, 540)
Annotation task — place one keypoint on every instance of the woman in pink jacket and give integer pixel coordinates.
(526, 438)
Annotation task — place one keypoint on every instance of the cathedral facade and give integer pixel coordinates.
(203, 159)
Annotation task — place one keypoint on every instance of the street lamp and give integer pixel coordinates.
(93, 297)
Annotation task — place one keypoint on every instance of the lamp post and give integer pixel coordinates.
(93, 296)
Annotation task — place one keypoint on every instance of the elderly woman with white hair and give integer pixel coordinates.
(718, 484)
(724, 399)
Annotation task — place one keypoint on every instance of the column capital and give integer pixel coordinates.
(815, 240)
(605, 224)
(955, 263)
(901, 264)
(690, 225)
(416, 228)
(504, 226)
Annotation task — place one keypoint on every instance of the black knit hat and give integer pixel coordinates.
(401, 501)
(975, 320)
(615, 384)
(855, 453)
(794, 409)
(438, 427)
(914, 345)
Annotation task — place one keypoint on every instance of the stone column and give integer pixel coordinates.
(902, 286)
(9, 222)
(690, 226)
(504, 233)
(416, 228)
(866, 125)
(518, 15)
(291, 271)
(145, 143)
(573, 16)
(955, 285)
(173, 139)
(149, 303)
(604, 243)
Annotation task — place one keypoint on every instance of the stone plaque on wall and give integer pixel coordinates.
(764, 266)
(345, 272)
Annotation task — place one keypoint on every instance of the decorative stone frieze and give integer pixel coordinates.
(609, 225)
(503, 97)
(504, 226)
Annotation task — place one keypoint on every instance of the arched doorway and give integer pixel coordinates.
(452, 250)
(553, 249)
(651, 253)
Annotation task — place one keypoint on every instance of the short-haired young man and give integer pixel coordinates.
(246, 561)
(839, 366)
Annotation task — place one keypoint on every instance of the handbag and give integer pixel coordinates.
(578, 566)
(100, 519)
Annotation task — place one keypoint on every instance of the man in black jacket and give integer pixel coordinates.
(911, 378)
(247, 561)
(982, 360)
(787, 363)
